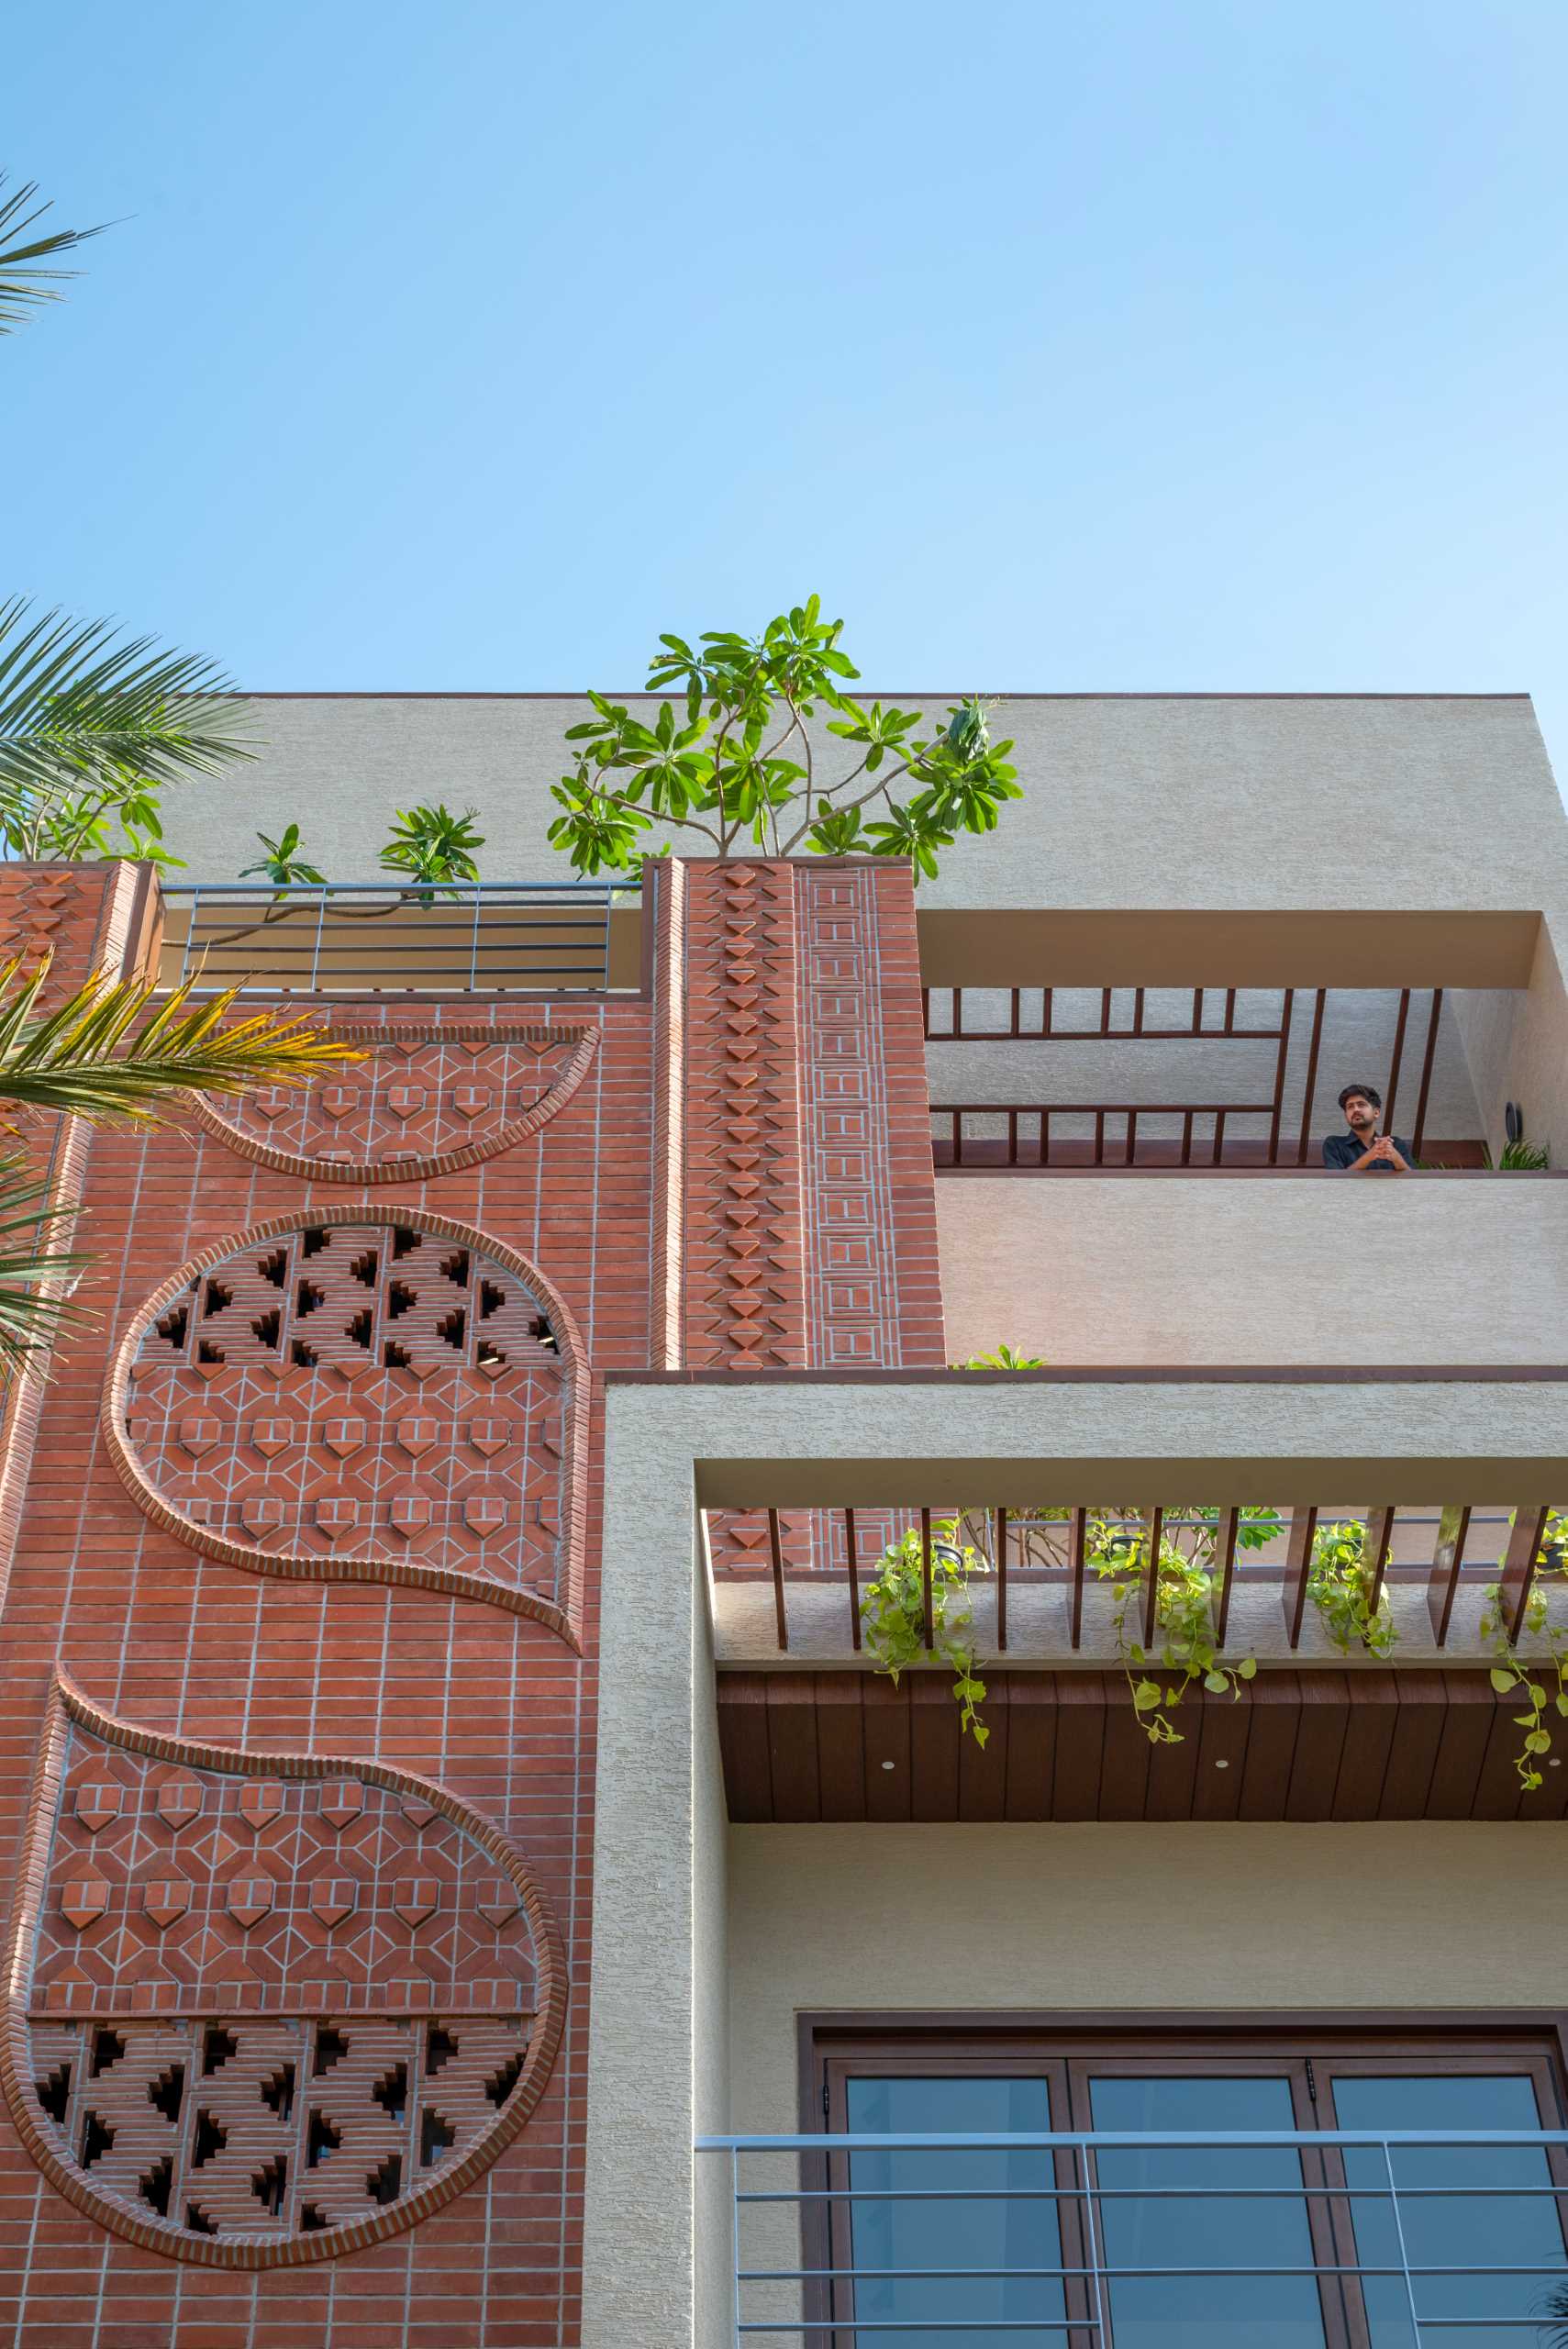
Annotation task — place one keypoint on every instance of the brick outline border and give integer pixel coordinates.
(67, 1703)
(446, 1162)
(298, 1566)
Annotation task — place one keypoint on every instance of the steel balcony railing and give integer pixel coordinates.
(389, 938)
(1114, 2241)
(1250, 1098)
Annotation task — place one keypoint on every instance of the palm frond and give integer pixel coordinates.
(25, 283)
(109, 1054)
(36, 1305)
(77, 705)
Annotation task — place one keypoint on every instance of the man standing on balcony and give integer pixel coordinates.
(1361, 1149)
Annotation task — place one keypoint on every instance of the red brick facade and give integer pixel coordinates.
(296, 1660)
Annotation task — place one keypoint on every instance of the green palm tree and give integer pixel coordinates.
(26, 280)
(88, 719)
(91, 725)
(112, 1054)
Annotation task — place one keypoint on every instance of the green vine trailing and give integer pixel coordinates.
(1186, 1649)
(1337, 1584)
(1510, 1673)
(1117, 1548)
(893, 1613)
(892, 1609)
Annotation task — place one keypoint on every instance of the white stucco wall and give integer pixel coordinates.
(1271, 1268)
(1222, 1918)
(1202, 800)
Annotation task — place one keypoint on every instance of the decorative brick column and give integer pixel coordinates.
(810, 1201)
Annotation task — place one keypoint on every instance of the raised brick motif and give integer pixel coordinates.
(287, 2036)
(424, 1101)
(743, 1304)
(380, 1394)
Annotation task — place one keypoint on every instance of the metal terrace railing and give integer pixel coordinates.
(359, 938)
(1267, 1120)
(1318, 2239)
(1022, 1554)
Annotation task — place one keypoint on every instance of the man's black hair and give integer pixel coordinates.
(1369, 1091)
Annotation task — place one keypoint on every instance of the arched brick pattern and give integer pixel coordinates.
(362, 1394)
(265, 2009)
(424, 1101)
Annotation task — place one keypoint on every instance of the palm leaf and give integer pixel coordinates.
(76, 706)
(36, 1306)
(109, 1054)
(25, 283)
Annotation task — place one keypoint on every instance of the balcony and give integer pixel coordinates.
(1104, 2239)
(377, 938)
(1049, 1080)
(1437, 1479)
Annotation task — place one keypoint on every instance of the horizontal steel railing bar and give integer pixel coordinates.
(924, 2324)
(1291, 2193)
(1104, 1036)
(1036, 2274)
(551, 958)
(1138, 2139)
(308, 891)
(1101, 1108)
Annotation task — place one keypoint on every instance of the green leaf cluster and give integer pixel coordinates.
(731, 760)
(1338, 1584)
(1511, 1675)
(1116, 1545)
(1004, 1358)
(430, 845)
(283, 865)
(893, 1614)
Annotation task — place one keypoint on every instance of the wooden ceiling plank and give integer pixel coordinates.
(743, 1746)
(1031, 1744)
(791, 1746)
(1320, 1744)
(841, 1745)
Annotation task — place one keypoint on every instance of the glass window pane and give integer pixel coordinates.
(1203, 2225)
(1456, 2229)
(988, 2240)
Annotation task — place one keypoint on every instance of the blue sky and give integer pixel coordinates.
(1125, 347)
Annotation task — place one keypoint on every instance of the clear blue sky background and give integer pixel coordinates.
(1060, 346)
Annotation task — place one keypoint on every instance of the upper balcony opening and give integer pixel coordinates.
(1048, 1079)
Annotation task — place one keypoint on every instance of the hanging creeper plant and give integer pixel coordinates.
(1510, 1673)
(893, 1614)
(1337, 1584)
(1184, 1608)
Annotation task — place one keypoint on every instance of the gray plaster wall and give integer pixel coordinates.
(1517, 1042)
(1272, 1268)
(1402, 1917)
(1199, 800)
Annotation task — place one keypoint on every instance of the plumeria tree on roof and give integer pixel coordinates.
(730, 761)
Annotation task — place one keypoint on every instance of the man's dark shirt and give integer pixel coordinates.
(1341, 1151)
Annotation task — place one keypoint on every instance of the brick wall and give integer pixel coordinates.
(296, 1659)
